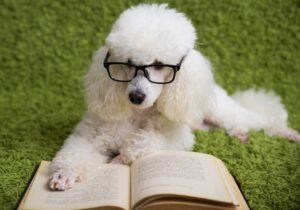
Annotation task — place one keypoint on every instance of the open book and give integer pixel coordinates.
(168, 180)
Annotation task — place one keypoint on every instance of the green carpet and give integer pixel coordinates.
(45, 49)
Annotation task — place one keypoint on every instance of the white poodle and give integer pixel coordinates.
(146, 88)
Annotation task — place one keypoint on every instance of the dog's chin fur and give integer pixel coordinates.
(112, 124)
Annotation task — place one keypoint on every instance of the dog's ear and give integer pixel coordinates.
(185, 99)
(105, 98)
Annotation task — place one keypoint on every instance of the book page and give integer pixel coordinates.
(110, 187)
(178, 173)
(234, 189)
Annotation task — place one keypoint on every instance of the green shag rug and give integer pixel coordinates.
(45, 49)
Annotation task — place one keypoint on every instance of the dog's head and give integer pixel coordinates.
(148, 59)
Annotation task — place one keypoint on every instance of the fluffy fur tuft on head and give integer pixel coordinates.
(148, 32)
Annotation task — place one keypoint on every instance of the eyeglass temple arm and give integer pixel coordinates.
(179, 64)
(106, 57)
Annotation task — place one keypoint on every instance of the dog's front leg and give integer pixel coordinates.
(77, 159)
(139, 144)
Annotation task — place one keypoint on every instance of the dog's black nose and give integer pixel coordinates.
(137, 97)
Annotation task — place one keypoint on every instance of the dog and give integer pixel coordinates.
(147, 88)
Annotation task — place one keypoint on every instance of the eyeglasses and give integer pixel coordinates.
(155, 73)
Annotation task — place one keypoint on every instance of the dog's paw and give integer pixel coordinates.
(241, 136)
(117, 160)
(291, 135)
(62, 180)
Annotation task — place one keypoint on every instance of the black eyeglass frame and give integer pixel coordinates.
(175, 68)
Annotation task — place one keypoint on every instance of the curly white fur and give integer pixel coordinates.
(113, 125)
